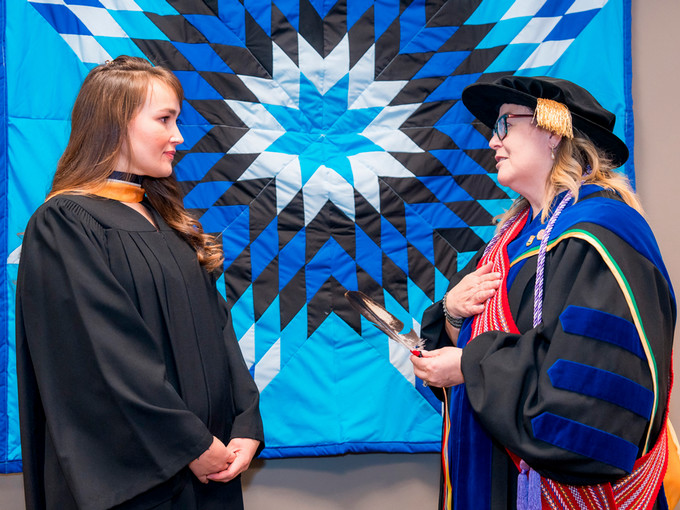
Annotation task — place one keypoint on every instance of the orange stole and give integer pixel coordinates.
(113, 189)
(121, 191)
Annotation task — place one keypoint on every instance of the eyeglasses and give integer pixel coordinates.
(500, 129)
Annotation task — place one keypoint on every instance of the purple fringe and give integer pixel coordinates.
(528, 488)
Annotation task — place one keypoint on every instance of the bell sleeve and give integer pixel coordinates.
(247, 420)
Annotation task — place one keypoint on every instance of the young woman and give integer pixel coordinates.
(556, 339)
(133, 392)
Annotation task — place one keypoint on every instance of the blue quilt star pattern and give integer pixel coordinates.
(325, 142)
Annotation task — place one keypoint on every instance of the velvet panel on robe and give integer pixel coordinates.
(572, 396)
(127, 362)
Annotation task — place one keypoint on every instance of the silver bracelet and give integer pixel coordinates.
(456, 322)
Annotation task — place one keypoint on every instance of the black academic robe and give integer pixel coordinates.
(572, 395)
(127, 363)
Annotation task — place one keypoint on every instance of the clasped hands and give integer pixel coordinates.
(441, 367)
(221, 463)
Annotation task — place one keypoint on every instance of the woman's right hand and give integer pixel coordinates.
(467, 298)
(439, 368)
(215, 459)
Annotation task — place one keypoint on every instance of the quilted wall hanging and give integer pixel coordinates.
(326, 143)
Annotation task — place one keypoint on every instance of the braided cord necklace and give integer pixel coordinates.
(540, 263)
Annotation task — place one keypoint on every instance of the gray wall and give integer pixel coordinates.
(399, 481)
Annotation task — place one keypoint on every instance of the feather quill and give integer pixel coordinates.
(384, 320)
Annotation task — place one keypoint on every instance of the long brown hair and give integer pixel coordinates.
(572, 158)
(111, 95)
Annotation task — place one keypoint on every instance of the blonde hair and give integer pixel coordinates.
(111, 95)
(572, 157)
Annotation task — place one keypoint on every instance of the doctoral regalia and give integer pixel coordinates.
(576, 397)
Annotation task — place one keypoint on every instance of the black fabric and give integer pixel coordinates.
(127, 363)
(124, 176)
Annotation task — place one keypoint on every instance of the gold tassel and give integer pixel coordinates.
(553, 116)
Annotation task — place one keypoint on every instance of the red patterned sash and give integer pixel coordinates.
(636, 491)
(496, 315)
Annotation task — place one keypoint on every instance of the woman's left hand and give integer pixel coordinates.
(439, 368)
(241, 452)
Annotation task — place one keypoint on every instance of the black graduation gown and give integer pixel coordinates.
(127, 363)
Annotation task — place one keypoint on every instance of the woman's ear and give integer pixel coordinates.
(554, 140)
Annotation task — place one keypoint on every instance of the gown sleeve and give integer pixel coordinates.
(573, 396)
(116, 425)
(247, 420)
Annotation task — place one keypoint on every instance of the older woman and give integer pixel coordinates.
(556, 339)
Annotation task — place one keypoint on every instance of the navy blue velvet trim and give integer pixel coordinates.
(617, 217)
(603, 326)
(614, 215)
(603, 385)
(585, 440)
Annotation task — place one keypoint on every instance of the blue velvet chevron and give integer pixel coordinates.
(602, 384)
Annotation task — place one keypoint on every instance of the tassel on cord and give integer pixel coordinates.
(534, 498)
(523, 488)
(553, 116)
(528, 488)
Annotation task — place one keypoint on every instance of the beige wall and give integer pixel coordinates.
(656, 81)
(656, 78)
(386, 482)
